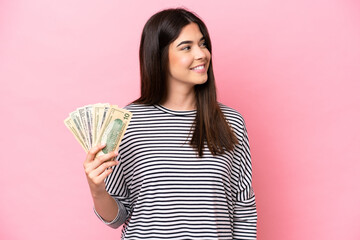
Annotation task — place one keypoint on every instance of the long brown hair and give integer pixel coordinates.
(159, 32)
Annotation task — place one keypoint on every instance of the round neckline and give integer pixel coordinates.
(175, 112)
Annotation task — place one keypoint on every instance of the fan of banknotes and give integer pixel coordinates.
(98, 124)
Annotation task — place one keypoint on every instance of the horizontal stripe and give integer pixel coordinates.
(169, 192)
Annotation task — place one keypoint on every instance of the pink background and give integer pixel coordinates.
(291, 68)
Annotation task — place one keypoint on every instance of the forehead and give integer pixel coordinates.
(190, 32)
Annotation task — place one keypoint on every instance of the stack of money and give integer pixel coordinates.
(98, 124)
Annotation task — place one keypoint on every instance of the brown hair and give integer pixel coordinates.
(159, 32)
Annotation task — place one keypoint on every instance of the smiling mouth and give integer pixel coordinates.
(200, 67)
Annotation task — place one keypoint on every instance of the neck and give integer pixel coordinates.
(180, 97)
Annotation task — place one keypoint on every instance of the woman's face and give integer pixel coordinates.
(189, 58)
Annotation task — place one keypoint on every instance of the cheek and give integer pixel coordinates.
(181, 62)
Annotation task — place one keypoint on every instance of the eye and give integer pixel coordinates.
(203, 44)
(186, 48)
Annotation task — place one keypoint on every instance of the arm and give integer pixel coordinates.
(245, 213)
(110, 211)
(245, 220)
(106, 206)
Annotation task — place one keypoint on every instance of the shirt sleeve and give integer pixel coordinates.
(116, 186)
(245, 213)
(120, 217)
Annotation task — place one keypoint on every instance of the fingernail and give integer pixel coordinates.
(115, 153)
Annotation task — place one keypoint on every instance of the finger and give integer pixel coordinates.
(92, 152)
(101, 177)
(103, 167)
(104, 158)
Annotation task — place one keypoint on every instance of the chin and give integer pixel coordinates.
(201, 81)
(198, 80)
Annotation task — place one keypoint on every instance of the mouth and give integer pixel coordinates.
(199, 68)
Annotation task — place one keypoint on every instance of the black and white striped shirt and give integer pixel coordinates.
(164, 191)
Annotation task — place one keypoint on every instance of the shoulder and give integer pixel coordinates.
(140, 109)
(235, 119)
(232, 115)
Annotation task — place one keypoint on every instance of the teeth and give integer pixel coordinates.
(199, 67)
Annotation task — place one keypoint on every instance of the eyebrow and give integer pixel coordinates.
(189, 42)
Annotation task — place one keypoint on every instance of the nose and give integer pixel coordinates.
(199, 53)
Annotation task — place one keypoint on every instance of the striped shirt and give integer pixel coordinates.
(165, 191)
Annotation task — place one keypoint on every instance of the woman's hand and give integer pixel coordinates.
(97, 169)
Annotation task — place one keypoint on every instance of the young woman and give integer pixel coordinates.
(183, 170)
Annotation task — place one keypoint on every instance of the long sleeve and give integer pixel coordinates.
(117, 188)
(245, 213)
(168, 192)
(119, 219)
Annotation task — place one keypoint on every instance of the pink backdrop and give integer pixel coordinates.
(290, 67)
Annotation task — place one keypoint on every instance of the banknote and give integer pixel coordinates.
(75, 117)
(97, 124)
(71, 126)
(98, 111)
(113, 129)
(89, 120)
(82, 117)
(103, 115)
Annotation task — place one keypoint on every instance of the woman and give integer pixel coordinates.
(183, 169)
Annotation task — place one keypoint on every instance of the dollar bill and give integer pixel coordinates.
(106, 109)
(98, 124)
(113, 129)
(89, 122)
(82, 114)
(71, 126)
(98, 111)
(75, 117)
